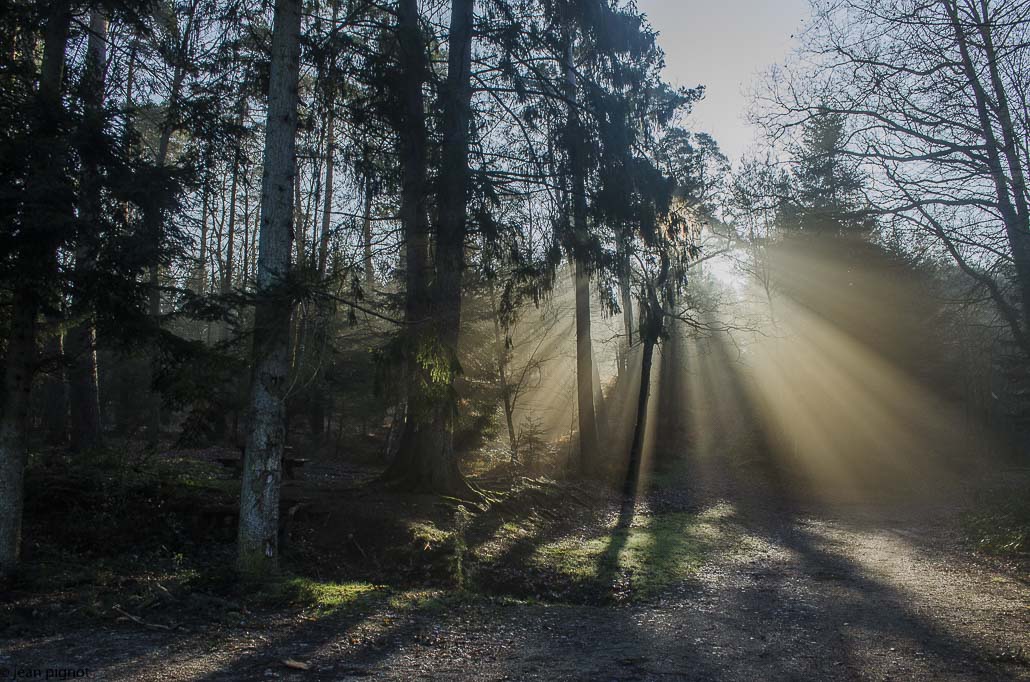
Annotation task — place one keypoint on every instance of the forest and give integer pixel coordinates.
(410, 338)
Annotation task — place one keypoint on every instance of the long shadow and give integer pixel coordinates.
(608, 560)
(849, 601)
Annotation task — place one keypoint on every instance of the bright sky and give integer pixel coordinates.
(724, 45)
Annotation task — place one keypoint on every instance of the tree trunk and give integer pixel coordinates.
(502, 378)
(80, 346)
(1019, 234)
(626, 293)
(153, 218)
(20, 362)
(366, 234)
(652, 327)
(55, 385)
(410, 124)
(327, 208)
(226, 283)
(330, 143)
(19, 367)
(640, 428)
(245, 271)
(589, 442)
(258, 546)
(1012, 203)
(299, 220)
(427, 461)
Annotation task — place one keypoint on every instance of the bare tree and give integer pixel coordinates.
(935, 96)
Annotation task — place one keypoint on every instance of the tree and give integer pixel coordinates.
(80, 347)
(589, 441)
(931, 92)
(827, 196)
(426, 460)
(36, 233)
(258, 547)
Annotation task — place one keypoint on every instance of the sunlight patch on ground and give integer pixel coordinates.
(323, 596)
(652, 552)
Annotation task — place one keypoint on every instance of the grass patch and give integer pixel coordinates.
(637, 560)
(1000, 526)
(322, 596)
(428, 534)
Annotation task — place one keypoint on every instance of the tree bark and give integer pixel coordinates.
(589, 442)
(18, 371)
(40, 218)
(153, 217)
(54, 387)
(640, 427)
(258, 547)
(330, 144)
(626, 293)
(226, 284)
(427, 461)
(652, 309)
(80, 345)
(327, 207)
(500, 351)
(411, 128)
(366, 234)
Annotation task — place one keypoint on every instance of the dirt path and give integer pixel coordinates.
(843, 595)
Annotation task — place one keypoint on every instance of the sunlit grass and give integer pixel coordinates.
(1000, 526)
(651, 553)
(318, 595)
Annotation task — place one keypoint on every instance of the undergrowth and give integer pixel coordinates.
(1000, 525)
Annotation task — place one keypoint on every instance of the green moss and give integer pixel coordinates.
(427, 533)
(324, 596)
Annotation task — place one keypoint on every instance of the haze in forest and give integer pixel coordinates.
(514, 339)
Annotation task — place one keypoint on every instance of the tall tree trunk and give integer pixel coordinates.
(318, 327)
(626, 293)
(589, 442)
(245, 271)
(258, 544)
(327, 207)
(80, 347)
(640, 427)
(366, 233)
(299, 219)
(200, 287)
(330, 144)
(18, 371)
(410, 124)
(651, 331)
(226, 284)
(427, 461)
(230, 239)
(500, 350)
(1010, 150)
(55, 384)
(153, 215)
(40, 215)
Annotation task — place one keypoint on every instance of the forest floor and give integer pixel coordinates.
(719, 577)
